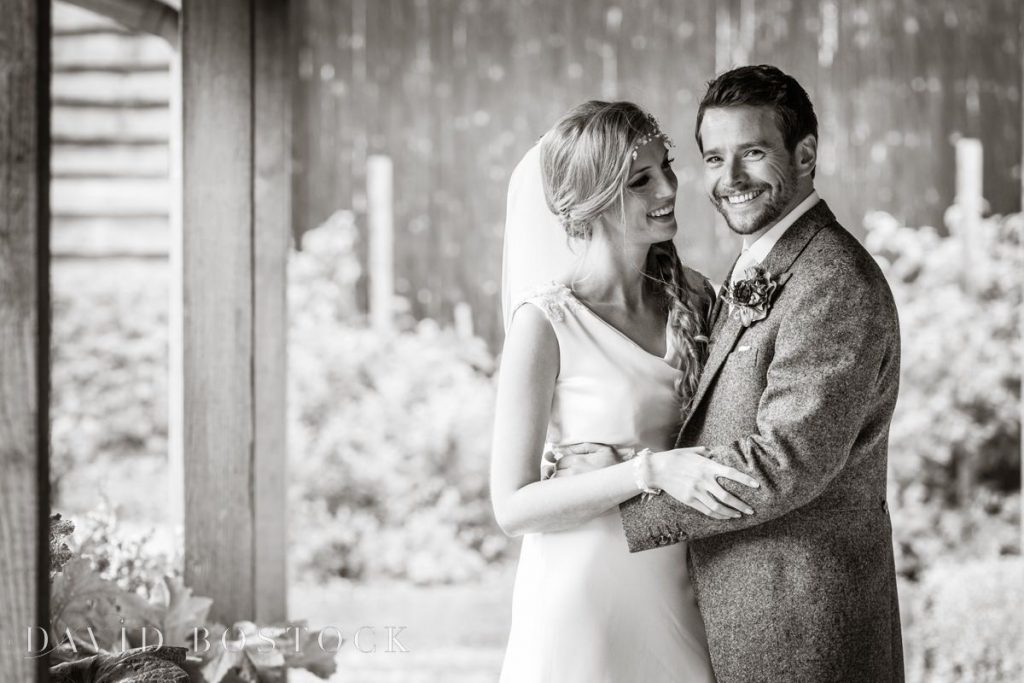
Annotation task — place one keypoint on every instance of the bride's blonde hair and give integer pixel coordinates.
(585, 162)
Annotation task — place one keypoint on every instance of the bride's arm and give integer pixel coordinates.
(526, 385)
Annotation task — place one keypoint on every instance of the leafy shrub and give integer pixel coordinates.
(60, 552)
(389, 432)
(954, 445)
(128, 560)
(95, 616)
(109, 363)
(960, 317)
(927, 533)
(966, 623)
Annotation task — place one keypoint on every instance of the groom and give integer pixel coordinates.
(798, 392)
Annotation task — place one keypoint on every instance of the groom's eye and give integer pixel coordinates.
(711, 160)
(755, 154)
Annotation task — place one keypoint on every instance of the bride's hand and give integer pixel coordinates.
(692, 479)
(583, 457)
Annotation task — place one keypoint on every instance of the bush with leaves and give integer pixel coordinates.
(129, 560)
(104, 603)
(954, 447)
(965, 623)
(389, 432)
(109, 365)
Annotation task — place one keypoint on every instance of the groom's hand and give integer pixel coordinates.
(583, 457)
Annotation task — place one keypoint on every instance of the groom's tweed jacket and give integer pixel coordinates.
(805, 588)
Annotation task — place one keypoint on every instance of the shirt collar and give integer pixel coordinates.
(762, 246)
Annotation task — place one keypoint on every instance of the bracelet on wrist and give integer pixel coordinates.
(642, 473)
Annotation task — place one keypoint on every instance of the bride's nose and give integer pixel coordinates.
(666, 187)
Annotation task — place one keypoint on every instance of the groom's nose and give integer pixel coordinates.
(735, 172)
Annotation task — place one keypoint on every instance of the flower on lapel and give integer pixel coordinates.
(750, 299)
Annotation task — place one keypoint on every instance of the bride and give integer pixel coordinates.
(609, 352)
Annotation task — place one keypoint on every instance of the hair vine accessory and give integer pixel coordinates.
(574, 228)
(654, 132)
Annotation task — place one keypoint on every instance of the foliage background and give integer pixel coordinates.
(389, 435)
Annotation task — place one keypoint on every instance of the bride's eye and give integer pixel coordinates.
(639, 182)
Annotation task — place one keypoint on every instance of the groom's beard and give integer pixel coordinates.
(773, 209)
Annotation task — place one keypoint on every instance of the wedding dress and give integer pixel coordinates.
(584, 609)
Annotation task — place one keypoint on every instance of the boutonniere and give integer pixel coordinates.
(750, 299)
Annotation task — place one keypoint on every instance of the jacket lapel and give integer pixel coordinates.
(726, 330)
(717, 307)
(723, 338)
(790, 245)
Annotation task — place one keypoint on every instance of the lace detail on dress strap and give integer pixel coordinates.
(554, 298)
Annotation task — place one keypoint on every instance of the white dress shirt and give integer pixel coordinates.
(755, 253)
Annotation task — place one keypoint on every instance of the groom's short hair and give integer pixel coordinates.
(763, 86)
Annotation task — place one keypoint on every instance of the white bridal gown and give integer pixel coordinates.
(584, 608)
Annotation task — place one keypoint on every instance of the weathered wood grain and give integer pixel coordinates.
(150, 16)
(235, 237)
(217, 96)
(24, 334)
(112, 88)
(455, 91)
(272, 238)
(106, 237)
(125, 161)
(128, 125)
(138, 51)
(98, 197)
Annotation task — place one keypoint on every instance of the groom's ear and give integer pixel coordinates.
(806, 154)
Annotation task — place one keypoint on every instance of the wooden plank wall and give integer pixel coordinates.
(456, 90)
(111, 123)
(895, 84)
(24, 335)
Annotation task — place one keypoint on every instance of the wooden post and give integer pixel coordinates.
(24, 335)
(235, 209)
(272, 214)
(175, 313)
(969, 165)
(463, 316)
(969, 204)
(380, 213)
(969, 201)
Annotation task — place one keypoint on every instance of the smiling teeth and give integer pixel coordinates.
(661, 212)
(741, 198)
